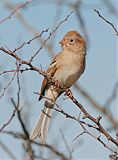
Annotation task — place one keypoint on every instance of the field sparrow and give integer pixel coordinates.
(66, 68)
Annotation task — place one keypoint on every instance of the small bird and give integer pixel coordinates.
(66, 68)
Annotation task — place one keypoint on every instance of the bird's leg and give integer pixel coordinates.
(68, 93)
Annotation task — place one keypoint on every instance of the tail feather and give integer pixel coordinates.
(42, 125)
(45, 125)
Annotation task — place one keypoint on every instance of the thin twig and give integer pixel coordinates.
(113, 95)
(50, 34)
(67, 92)
(9, 120)
(66, 144)
(111, 24)
(97, 106)
(58, 109)
(24, 128)
(9, 83)
(9, 71)
(23, 5)
(29, 41)
(51, 148)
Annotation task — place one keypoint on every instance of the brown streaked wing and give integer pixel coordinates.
(51, 71)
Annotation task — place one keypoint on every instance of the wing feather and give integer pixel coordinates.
(51, 71)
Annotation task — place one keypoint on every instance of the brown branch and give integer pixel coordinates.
(97, 106)
(9, 83)
(51, 148)
(23, 126)
(9, 120)
(68, 93)
(30, 28)
(111, 24)
(50, 35)
(15, 70)
(67, 146)
(60, 110)
(23, 5)
(95, 120)
(16, 108)
(29, 41)
(10, 71)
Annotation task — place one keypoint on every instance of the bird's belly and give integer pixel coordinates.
(68, 75)
(70, 78)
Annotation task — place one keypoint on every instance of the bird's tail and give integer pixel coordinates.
(42, 125)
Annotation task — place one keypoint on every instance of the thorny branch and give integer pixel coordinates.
(97, 106)
(82, 123)
(67, 92)
(50, 34)
(16, 108)
(24, 128)
(33, 68)
(112, 25)
(28, 42)
(9, 83)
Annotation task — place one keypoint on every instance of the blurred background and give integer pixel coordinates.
(96, 90)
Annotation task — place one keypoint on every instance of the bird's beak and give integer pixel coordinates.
(62, 42)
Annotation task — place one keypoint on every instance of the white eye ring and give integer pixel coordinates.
(71, 40)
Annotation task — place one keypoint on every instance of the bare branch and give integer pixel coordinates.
(51, 148)
(95, 120)
(66, 144)
(112, 25)
(9, 83)
(67, 92)
(97, 106)
(29, 41)
(24, 128)
(9, 120)
(23, 5)
(50, 34)
(81, 124)
(113, 95)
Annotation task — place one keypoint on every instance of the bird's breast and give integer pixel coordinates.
(69, 70)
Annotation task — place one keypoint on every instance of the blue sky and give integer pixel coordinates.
(99, 77)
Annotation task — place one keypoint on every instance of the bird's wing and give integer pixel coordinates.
(51, 71)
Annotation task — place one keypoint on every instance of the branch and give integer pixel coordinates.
(60, 110)
(23, 126)
(29, 41)
(9, 83)
(50, 35)
(113, 95)
(112, 25)
(66, 145)
(23, 5)
(95, 120)
(97, 106)
(51, 148)
(68, 93)
(16, 108)
(9, 120)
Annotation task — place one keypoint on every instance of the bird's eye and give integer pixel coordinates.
(71, 40)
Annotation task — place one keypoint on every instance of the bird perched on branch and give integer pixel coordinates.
(66, 68)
